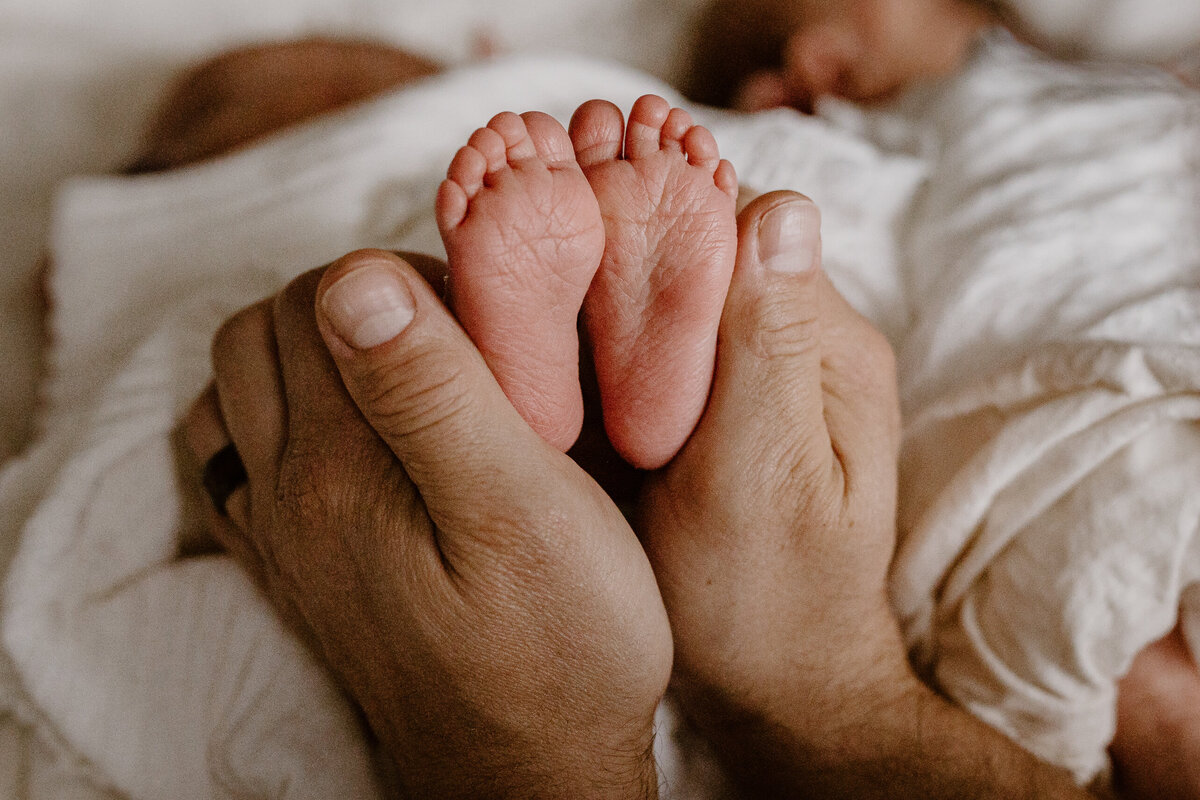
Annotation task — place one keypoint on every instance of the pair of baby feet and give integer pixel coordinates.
(634, 225)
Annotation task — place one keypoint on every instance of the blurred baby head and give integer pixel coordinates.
(756, 54)
(869, 50)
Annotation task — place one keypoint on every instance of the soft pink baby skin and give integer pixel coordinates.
(631, 223)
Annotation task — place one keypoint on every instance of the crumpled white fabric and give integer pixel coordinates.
(170, 675)
(1139, 30)
(1050, 381)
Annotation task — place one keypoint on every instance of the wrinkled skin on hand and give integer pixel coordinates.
(475, 591)
(772, 532)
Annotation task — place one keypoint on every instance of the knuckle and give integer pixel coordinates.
(405, 395)
(305, 484)
(782, 328)
(242, 326)
(298, 296)
(320, 481)
(313, 500)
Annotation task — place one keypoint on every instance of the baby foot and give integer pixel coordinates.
(654, 307)
(524, 237)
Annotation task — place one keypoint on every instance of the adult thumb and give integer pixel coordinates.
(417, 378)
(768, 397)
(802, 378)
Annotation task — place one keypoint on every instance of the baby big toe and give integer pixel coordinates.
(597, 133)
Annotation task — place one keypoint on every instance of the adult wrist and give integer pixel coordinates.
(823, 721)
(859, 669)
(573, 769)
(902, 741)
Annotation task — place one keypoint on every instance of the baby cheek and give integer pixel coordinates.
(872, 49)
(821, 59)
(859, 50)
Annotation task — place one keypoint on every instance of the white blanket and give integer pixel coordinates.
(1043, 304)
(1050, 381)
(1150, 31)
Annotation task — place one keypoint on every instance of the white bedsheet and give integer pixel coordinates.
(1046, 279)
(1150, 31)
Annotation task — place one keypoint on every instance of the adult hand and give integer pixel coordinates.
(477, 593)
(773, 530)
(772, 533)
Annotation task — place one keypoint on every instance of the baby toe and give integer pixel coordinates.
(701, 148)
(676, 127)
(726, 179)
(451, 206)
(597, 133)
(515, 135)
(643, 135)
(492, 146)
(467, 170)
(549, 138)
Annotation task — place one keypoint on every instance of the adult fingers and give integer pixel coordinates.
(420, 382)
(205, 435)
(332, 456)
(821, 377)
(768, 402)
(204, 432)
(250, 397)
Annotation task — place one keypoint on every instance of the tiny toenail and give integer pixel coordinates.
(788, 236)
(369, 306)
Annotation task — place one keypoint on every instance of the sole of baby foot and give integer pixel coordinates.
(652, 313)
(524, 237)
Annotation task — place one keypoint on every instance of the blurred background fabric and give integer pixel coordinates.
(79, 78)
(1133, 30)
